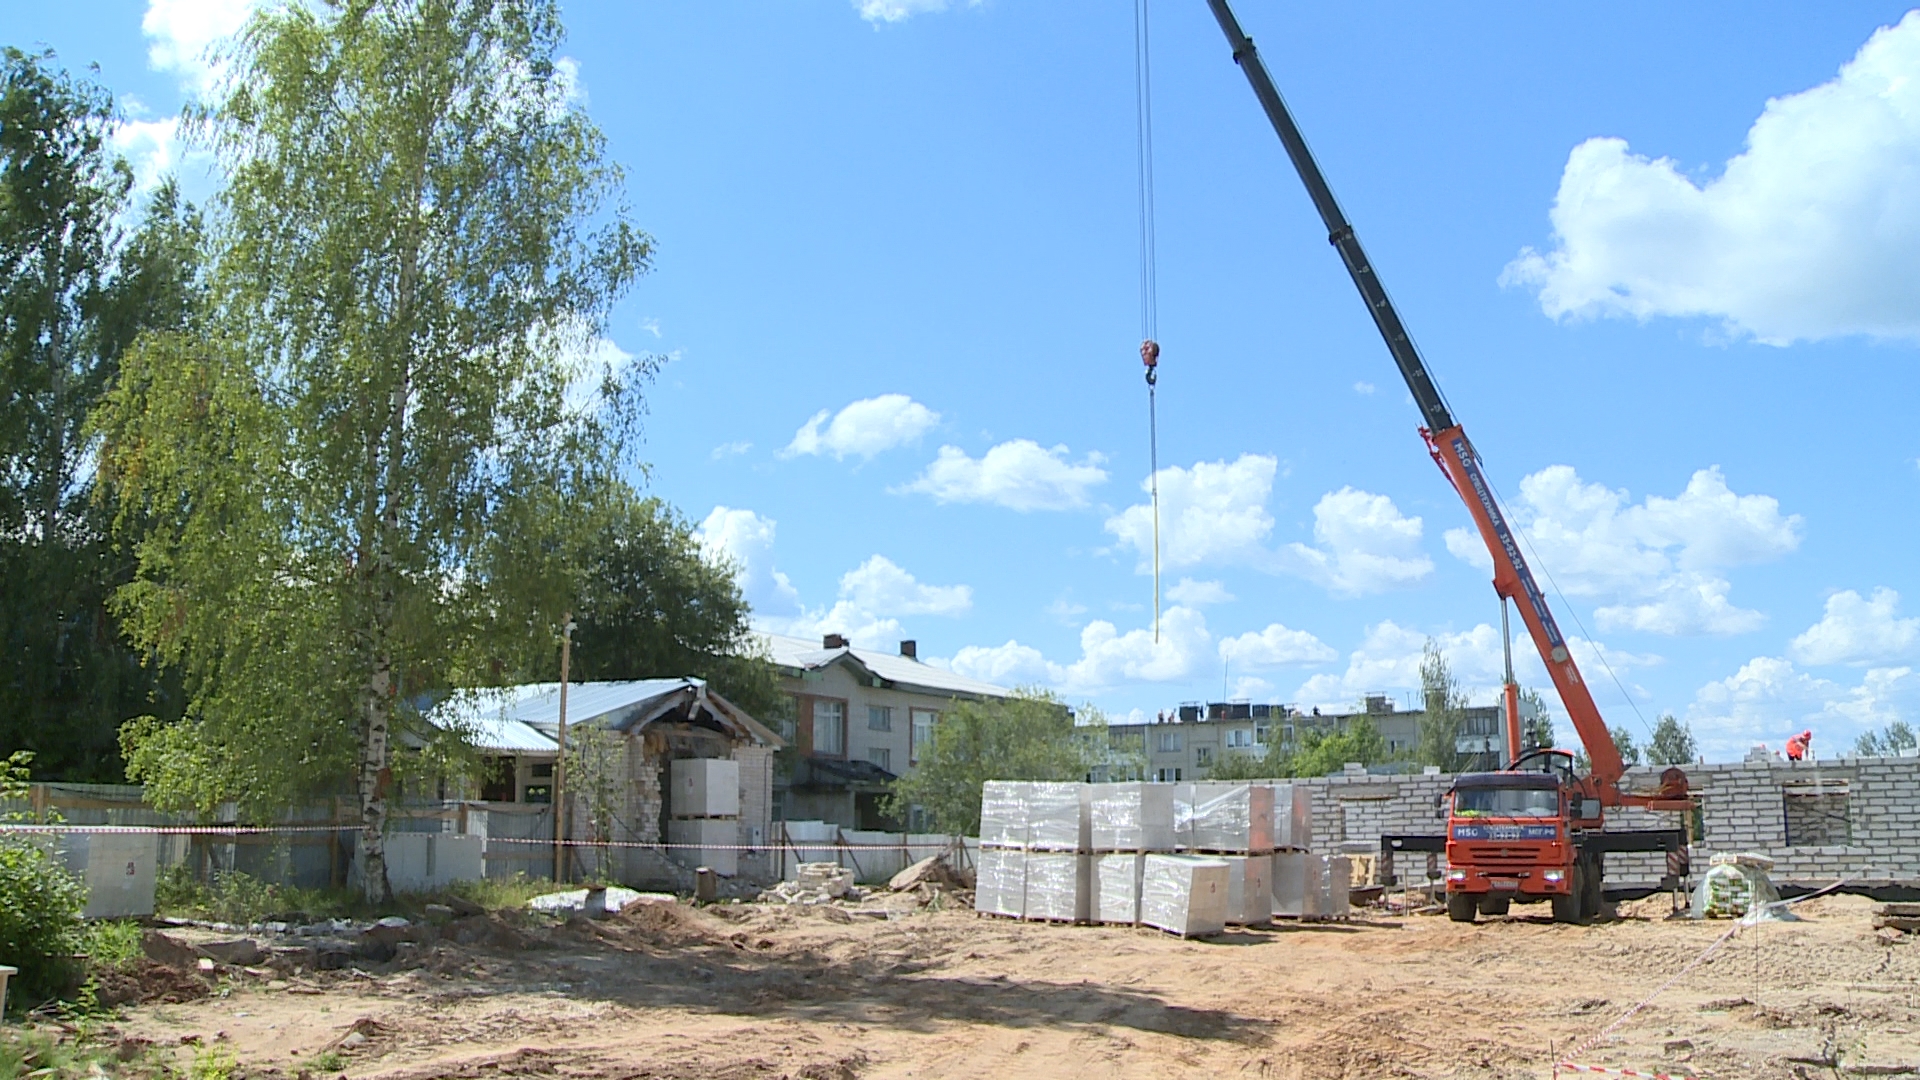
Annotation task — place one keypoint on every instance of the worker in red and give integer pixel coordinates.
(1797, 746)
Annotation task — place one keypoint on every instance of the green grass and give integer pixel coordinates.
(26, 1051)
(239, 898)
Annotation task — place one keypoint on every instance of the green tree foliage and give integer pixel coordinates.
(1446, 710)
(1896, 738)
(652, 605)
(74, 291)
(1672, 743)
(40, 904)
(1029, 736)
(1623, 742)
(372, 447)
(1315, 753)
(1536, 732)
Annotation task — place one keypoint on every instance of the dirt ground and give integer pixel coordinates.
(755, 991)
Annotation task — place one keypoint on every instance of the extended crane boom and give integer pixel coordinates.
(1448, 444)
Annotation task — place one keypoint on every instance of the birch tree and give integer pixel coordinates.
(398, 396)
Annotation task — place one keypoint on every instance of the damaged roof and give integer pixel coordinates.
(526, 718)
(892, 669)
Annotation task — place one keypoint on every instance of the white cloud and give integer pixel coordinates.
(1276, 646)
(1199, 593)
(1658, 565)
(1388, 661)
(1065, 610)
(1858, 631)
(1214, 513)
(1108, 658)
(866, 427)
(731, 449)
(746, 539)
(1768, 699)
(651, 325)
(1813, 231)
(1019, 475)
(180, 33)
(879, 11)
(873, 598)
(1364, 545)
(151, 147)
(1363, 387)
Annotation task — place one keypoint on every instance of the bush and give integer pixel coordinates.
(40, 926)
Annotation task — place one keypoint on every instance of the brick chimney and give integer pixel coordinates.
(910, 649)
(834, 641)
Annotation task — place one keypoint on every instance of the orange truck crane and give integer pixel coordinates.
(1533, 831)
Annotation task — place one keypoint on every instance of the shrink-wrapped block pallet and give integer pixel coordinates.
(709, 842)
(1041, 815)
(1184, 894)
(1058, 889)
(1224, 817)
(1334, 903)
(1297, 889)
(1292, 817)
(1131, 817)
(1116, 888)
(1003, 813)
(704, 787)
(1000, 882)
(1249, 889)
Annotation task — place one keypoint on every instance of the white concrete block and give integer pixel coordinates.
(704, 787)
(1184, 894)
(1249, 889)
(708, 842)
(1116, 888)
(118, 869)
(1131, 817)
(1058, 889)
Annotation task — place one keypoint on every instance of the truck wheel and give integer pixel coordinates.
(1570, 907)
(1593, 893)
(1461, 907)
(1493, 906)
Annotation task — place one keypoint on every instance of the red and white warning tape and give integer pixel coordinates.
(796, 846)
(1568, 1066)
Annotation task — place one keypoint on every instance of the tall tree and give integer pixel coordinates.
(1896, 738)
(1446, 708)
(1672, 743)
(652, 604)
(394, 407)
(1029, 736)
(74, 290)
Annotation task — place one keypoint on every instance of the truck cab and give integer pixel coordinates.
(1512, 837)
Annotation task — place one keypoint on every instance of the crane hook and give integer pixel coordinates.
(1150, 356)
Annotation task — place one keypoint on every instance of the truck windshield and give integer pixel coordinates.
(1506, 802)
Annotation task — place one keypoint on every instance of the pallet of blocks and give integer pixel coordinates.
(1034, 862)
(703, 801)
(1309, 886)
(1292, 817)
(1233, 823)
(1127, 822)
(1184, 894)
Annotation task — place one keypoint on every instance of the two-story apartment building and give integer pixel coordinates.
(857, 720)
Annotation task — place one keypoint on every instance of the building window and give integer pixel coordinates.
(879, 718)
(881, 756)
(1203, 756)
(1166, 776)
(830, 728)
(1169, 742)
(1818, 814)
(538, 793)
(541, 770)
(923, 721)
(1240, 738)
(1262, 733)
(786, 718)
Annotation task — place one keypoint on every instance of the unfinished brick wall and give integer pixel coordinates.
(1818, 820)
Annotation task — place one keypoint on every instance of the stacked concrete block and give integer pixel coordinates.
(1297, 888)
(1292, 817)
(1224, 818)
(703, 799)
(1131, 817)
(1044, 829)
(1058, 886)
(1184, 894)
(118, 869)
(1249, 889)
(1000, 881)
(1116, 881)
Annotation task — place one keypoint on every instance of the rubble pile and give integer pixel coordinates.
(817, 883)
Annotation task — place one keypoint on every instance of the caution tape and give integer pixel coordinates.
(1602, 1070)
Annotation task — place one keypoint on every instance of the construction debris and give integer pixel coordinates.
(1902, 918)
(817, 883)
(932, 870)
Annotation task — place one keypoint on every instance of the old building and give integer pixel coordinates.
(651, 722)
(857, 721)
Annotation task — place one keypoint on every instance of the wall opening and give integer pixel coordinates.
(1818, 814)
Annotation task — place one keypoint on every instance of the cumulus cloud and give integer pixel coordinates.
(1108, 657)
(874, 596)
(1769, 699)
(1019, 475)
(1363, 387)
(730, 449)
(1856, 630)
(1812, 232)
(151, 147)
(1657, 566)
(1388, 660)
(1363, 544)
(892, 11)
(1276, 646)
(1215, 512)
(745, 539)
(864, 428)
(181, 33)
(1199, 593)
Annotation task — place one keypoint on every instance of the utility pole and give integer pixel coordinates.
(560, 762)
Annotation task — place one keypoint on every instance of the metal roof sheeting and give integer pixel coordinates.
(526, 718)
(807, 655)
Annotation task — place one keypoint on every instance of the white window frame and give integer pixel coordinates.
(1169, 742)
(881, 713)
(881, 756)
(920, 723)
(837, 724)
(1240, 738)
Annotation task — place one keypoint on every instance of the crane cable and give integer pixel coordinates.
(1149, 284)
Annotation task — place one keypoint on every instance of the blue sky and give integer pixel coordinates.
(1663, 259)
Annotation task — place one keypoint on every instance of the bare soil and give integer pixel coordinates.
(756, 992)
